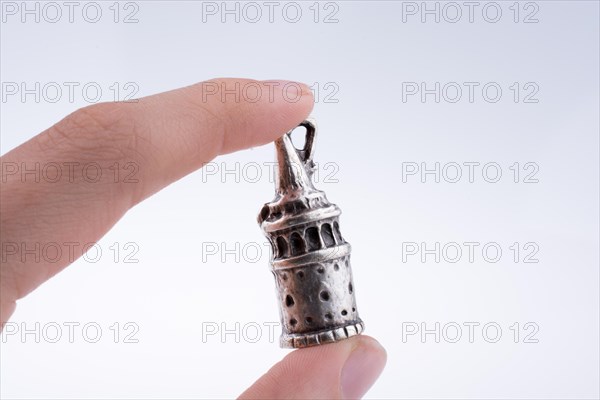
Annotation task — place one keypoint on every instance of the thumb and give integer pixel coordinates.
(341, 370)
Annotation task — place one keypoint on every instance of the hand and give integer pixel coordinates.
(168, 136)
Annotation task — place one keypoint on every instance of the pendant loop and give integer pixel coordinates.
(306, 153)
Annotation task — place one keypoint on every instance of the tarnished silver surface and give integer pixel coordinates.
(310, 259)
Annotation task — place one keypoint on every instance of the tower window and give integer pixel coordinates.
(297, 244)
(336, 231)
(312, 239)
(282, 247)
(327, 235)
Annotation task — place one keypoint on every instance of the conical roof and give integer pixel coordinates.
(296, 199)
(293, 176)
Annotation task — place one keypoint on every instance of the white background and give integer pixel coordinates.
(369, 134)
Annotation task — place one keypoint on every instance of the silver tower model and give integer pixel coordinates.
(310, 259)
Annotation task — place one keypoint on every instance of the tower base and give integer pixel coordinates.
(297, 341)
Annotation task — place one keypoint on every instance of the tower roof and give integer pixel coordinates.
(296, 198)
(293, 176)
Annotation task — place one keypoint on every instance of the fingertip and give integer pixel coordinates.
(293, 105)
(281, 106)
(340, 370)
(370, 343)
(362, 367)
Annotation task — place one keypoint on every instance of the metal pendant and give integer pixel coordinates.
(310, 260)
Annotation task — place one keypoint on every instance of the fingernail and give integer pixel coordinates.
(362, 368)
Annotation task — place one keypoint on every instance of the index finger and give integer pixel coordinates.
(165, 136)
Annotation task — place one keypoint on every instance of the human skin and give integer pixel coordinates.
(168, 136)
